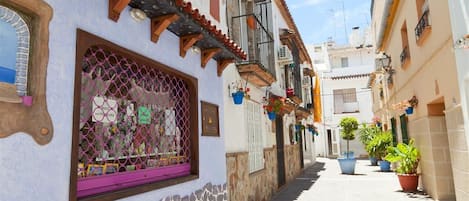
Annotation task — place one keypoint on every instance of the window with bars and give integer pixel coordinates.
(135, 122)
(253, 114)
(345, 101)
(344, 62)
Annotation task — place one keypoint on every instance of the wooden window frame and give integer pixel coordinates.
(84, 42)
(35, 118)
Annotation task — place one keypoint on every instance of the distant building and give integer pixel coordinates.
(344, 72)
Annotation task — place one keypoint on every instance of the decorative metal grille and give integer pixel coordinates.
(133, 118)
(424, 22)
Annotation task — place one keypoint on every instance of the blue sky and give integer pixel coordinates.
(319, 19)
(8, 45)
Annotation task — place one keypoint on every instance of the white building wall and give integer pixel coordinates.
(361, 61)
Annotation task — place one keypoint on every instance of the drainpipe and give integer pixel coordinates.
(387, 8)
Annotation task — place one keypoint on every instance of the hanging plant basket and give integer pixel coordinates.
(271, 115)
(238, 97)
(409, 110)
(251, 21)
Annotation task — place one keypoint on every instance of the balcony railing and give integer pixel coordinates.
(424, 23)
(405, 56)
(256, 40)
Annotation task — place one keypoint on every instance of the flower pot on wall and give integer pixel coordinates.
(238, 97)
(409, 110)
(251, 21)
(271, 115)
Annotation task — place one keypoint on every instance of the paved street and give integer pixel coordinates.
(323, 181)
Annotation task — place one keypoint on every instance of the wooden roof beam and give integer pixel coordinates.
(115, 8)
(222, 64)
(207, 54)
(187, 41)
(159, 24)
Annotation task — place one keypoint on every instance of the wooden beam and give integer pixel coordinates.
(159, 24)
(187, 41)
(207, 54)
(115, 8)
(222, 64)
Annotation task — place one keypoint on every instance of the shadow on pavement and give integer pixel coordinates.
(303, 182)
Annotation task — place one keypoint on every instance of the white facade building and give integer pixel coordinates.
(344, 75)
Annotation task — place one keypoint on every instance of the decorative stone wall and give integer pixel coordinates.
(459, 152)
(292, 162)
(258, 186)
(208, 192)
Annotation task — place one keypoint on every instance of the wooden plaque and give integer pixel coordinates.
(210, 123)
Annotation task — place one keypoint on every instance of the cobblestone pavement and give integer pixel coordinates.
(324, 181)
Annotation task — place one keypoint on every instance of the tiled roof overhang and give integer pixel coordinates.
(350, 76)
(188, 23)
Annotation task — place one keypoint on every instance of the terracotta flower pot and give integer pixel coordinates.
(409, 182)
(251, 21)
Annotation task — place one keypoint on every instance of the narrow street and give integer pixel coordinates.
(323, 181)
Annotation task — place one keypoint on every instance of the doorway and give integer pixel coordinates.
(329, 142)
(280, 152)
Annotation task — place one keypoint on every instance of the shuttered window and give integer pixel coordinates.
(255, 139)
(394, 132)
(405, 136)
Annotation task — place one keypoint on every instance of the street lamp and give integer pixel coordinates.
(383, 62)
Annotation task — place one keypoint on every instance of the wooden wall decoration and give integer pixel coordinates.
(210, 119)
(35, 119)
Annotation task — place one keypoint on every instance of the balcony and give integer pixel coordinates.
(405, 57)
(423, 28)
(302, 113)
(255, 39)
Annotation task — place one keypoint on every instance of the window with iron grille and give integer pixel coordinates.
(255, 140)
(345, 101)
(135, 122)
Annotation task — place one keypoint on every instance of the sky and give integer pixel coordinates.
(319, 19)
(8, 45)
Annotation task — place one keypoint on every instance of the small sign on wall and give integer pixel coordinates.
(210, 122)
(104, 110)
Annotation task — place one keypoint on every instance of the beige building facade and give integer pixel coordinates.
(418, 38)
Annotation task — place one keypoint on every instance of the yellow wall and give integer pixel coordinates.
(431, 76)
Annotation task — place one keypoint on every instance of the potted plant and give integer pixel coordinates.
(239, 92)
(408, 157)
(272, 107)
(377, 148)
(366, 133)
(349, 125)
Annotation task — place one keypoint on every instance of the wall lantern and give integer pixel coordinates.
(383, 62)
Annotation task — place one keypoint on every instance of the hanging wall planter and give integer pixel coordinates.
(409, 110)
(271, 115)
(238, 97)
(251, 21)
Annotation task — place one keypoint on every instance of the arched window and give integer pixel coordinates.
(14, 55)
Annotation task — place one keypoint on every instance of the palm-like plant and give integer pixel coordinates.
(407, 155)
(378, 146)
(366, 133)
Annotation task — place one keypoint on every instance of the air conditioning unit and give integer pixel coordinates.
(284, 55)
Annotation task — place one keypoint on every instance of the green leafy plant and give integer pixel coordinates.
(273, 104)
(407, 155)
(349, 125)
(378, 146)
(366, 133)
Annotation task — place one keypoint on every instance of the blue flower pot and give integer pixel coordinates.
(347, 165)
(349, 154)
(409, 110)
(238, 97)
(271, 115)
(385, 166)
(373, 161)
(378, 124)
(297, 127)
(310, 129)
